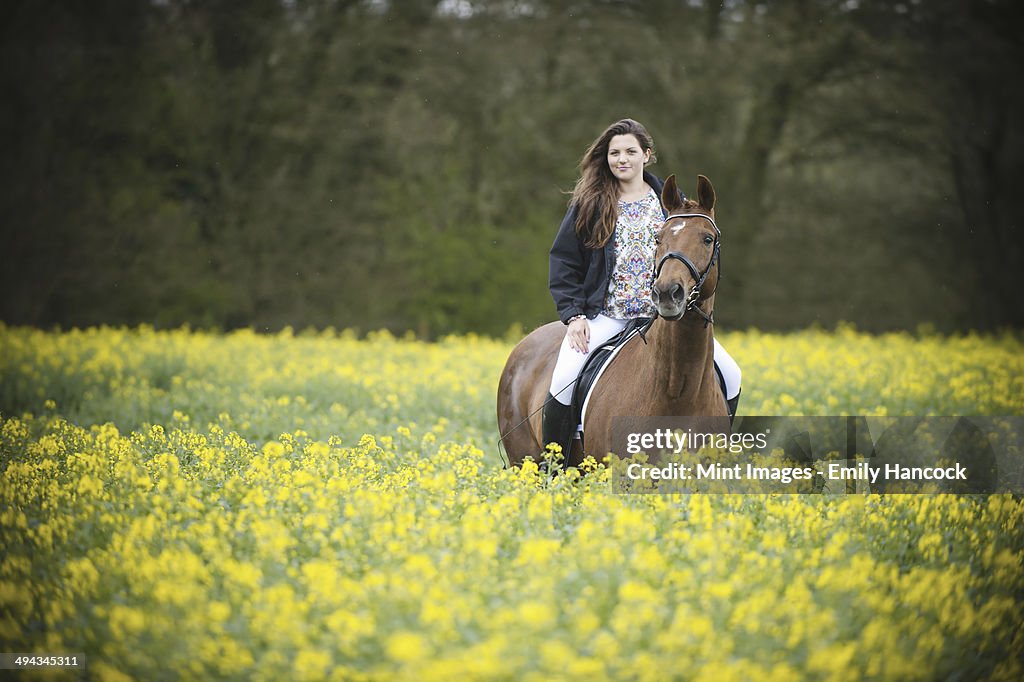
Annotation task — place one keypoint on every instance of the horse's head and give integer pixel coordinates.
(687, 259)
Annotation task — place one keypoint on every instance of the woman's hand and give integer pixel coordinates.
(579, 335)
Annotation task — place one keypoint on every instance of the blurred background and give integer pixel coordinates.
(404, 165)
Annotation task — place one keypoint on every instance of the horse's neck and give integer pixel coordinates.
(684, 352)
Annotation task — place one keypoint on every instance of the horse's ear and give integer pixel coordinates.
(670, 198)
(705, 193)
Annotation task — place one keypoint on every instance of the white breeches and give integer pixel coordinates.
(729, 369)
(602, 328)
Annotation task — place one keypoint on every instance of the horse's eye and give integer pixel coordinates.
(708, 239)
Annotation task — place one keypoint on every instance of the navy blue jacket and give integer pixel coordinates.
(578, 275)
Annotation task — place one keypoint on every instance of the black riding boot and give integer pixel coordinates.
(557, 428)
(733, 404)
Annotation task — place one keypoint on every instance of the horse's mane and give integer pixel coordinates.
(690, 204)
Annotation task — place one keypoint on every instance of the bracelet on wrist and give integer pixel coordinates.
(576, 317)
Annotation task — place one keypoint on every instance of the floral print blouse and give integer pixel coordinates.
(629, 287)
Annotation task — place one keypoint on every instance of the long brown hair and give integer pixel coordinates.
(597, 191)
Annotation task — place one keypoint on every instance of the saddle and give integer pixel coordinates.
(602, 357)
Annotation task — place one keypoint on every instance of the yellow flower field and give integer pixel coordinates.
(190, 505)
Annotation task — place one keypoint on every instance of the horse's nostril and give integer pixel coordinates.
(674, 292)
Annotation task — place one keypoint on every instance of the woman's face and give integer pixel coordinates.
(626, 158)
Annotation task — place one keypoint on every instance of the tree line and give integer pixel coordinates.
(404, 165)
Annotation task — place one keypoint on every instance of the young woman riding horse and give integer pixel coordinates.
(601, 264)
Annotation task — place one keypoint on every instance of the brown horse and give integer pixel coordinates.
(672, 374)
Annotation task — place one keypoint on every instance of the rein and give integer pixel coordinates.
(700, 277)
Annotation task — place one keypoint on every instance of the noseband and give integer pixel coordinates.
(699, 277)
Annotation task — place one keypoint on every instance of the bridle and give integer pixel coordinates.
(700, 277)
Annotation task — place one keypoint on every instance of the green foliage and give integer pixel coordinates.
(403, 165)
